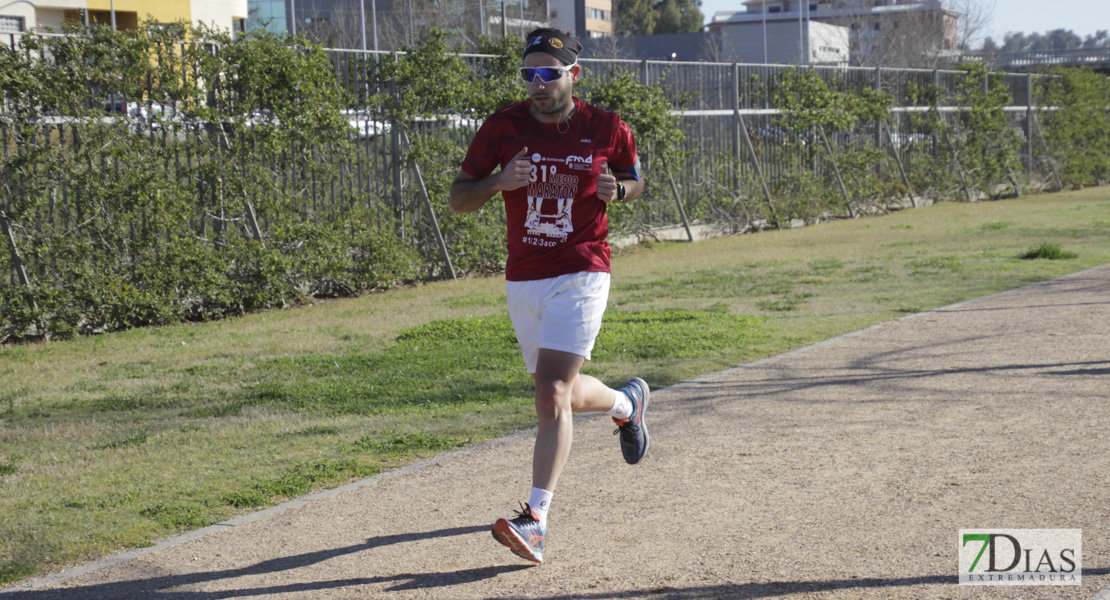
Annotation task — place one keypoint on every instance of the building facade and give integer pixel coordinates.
(393, 23)
(878, 30)
(18, 16)
(584, 18)
(785, 42)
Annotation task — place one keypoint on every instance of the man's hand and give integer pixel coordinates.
(516, 173)
(606, 184)
(469, 194)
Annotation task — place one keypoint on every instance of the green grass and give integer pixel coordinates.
(133, 436)
(133, 439)
(1048, 251)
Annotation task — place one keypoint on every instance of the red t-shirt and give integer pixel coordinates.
(556, 223)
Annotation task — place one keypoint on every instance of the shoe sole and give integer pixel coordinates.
(643, 421)
(505, 534)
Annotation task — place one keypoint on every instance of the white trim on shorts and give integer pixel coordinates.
(561, 313)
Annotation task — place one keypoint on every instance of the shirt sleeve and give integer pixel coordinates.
(481, 157)
(624, 157)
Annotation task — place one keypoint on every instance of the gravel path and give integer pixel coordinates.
(843, 470)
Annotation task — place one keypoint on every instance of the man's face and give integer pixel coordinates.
(550, 98)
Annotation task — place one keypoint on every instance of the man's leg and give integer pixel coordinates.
(561, 391)
(552, 312)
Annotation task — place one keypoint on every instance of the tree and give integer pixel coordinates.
(975, 20)
(678, 16)
(913, 38)
(1060, 39)
(646, 17)
(634, 17)
(1100, 39)
(1057, 39)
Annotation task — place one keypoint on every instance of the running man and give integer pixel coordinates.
(561, 162)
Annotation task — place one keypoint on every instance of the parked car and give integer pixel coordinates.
(135, 114)
(364, 124)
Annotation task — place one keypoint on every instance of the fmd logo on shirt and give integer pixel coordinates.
(1021, 556)
(581, 163)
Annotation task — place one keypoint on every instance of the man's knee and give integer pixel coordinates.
(553, 397)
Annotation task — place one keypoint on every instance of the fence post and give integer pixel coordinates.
(737, 174)
(936, 103)
(1029, 124)
(17, 263)
(395, 152)
(959, 169)
(395, 168)
(879, 88)
(758, 169)
(1051, 161)
(898, 161)
(431, 209)
(677, 199)
(836, 171)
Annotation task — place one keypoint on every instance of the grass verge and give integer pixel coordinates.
(114, 441)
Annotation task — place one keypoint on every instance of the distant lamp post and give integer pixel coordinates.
(763, 9)
(362, 14)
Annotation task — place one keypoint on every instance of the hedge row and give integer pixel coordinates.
(210, 206)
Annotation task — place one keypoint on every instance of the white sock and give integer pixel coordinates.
(540, 503)
(622, 406)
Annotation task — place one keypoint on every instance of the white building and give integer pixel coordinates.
(784, 42)
(18, 16)
(583, 18)
(870, 23)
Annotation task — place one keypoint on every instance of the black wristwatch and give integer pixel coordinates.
(620, 191)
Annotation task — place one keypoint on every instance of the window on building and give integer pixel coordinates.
(600, 15)
(878, 27)
(268, 14)
(125, 21)
(774, 9)
(11, 24)
(812, 7)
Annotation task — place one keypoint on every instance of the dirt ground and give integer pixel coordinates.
(842, 470)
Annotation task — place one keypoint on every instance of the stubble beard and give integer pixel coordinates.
(558, 103)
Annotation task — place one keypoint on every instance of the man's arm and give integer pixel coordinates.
(607, 185)
(468, 193)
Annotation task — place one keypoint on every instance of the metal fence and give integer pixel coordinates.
(714, 102)
(722, 108)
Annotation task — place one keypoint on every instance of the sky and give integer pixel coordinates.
(1084, 17)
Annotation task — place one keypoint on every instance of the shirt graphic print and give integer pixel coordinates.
(556, 223)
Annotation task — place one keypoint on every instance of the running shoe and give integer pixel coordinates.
(523, 535)
(633, 430)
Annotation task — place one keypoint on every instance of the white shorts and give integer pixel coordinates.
(561, 313)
